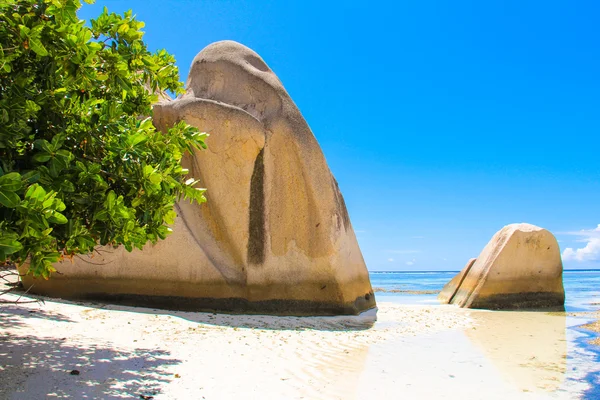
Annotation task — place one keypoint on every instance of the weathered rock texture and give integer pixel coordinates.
(274, 236)
(450, 289)
(519, 268)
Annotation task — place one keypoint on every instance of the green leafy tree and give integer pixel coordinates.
(80, 166)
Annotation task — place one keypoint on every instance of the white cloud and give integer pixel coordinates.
(409, 262)
(404, 251)
(390, 259)
(591, 250)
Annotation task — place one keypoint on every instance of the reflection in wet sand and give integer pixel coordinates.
(328, 370)
(528, 348)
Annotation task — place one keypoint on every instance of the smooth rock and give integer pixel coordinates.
(450, 289)
(274, 236)
(519, 268)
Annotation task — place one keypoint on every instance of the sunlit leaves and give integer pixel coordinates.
(9, 244)
(79, 163)
(9, 184)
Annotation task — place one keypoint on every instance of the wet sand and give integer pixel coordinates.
(411, 352)
(594, 327)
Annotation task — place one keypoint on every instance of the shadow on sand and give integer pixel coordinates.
(36, 368)
(364, 321)
(12, 315)
(360, 322)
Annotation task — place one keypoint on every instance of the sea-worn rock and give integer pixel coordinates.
(274, 236)
(520, 267)
(450, 289)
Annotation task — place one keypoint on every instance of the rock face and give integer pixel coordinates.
(274, 236)
(520, 267)
(449, 290)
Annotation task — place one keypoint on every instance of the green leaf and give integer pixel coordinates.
(41, 157)
(10, 182)
(109, 203)
(24, 31)
(126, 86)
(67, 186)
(101, 216)
(36, 45)
(38, 221)
(9, 246)
(48, 200)
(123, 28)
(35, 192)
(155, 178)
(147, 170)
(32, 107)
(169, 217)
(57, 142)
(64, 157)
(146, 124)
(9, 199)
(57, 218)
(44, 145)
(136, 139)
(59, 205)
(30, 177)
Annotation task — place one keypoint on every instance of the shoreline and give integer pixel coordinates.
(175, 354)
(418, 351)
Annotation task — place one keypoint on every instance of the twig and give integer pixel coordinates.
(89, 262)
(27, 291)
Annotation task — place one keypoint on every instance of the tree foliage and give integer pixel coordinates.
(80, 166)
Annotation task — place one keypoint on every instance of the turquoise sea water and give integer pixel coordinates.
(582, 287)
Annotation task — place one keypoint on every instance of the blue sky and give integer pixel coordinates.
(442, 121)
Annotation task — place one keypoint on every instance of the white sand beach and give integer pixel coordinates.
(411, 352)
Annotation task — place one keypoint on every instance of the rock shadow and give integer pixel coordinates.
(361, 322)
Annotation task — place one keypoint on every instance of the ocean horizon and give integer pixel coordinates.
(582, 287)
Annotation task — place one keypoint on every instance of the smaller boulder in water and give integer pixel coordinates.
(520, 267)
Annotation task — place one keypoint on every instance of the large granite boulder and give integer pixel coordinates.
(274, 236)
(519, 268)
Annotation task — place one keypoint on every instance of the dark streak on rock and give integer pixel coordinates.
(521, 301)
(238, 305)
(256, 228)
(341, 205)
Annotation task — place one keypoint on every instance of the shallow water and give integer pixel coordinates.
(540, 354)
